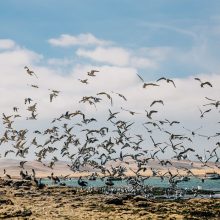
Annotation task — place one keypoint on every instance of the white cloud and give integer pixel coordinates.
(113, 55)
(7, 44)
(66, 40)
(141, 62)
(117, 56)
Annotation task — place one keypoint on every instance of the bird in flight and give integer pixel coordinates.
(120, 95)
(140, 77)
(108, 96)
(27, 100)
(92, 72)
(150, 113)
(131, 112)
(22, 164)
(30, 72)
(167, 80)
(85, 81)
(34, 86)
(53, 94)
(157, 101)
(214, 102)
(15, 109)
(202, 84)
(149, 84)
(202, 113)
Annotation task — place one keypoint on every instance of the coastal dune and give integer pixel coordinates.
(61, 168)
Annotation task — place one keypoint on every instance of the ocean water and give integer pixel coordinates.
(153, 181)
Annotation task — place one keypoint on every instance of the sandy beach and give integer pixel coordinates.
(61, 202)
(28, 202)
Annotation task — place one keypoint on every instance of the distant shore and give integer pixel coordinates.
(61, 169)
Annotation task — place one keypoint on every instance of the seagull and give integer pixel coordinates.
(122, 96)
(55, 179)
(202, 113)
(22, 164)
(112, 115)
(172, 122)
(149, 84)
(92, 72)
(167, 80)
(6, 175)
(82, 182)
(27, 100)
(85, 81)
(15, 109)
(157, 101)
(30, 72)
(109, 182)
(150, 113)
(202, 84)
(53, 94)
(104, 93)
(34, 86)
(131, 112)
(214, 102)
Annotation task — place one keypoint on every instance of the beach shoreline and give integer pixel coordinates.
(69, 203)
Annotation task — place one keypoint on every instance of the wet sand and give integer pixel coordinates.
(28, 202)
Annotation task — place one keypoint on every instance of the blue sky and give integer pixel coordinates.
(186, 27)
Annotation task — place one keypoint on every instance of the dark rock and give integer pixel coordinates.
(142, 204)
(115, 201)
(6, 202)
(7, 182)
(19, 213)
(200, 213)
(62, 184)
(127, 196)
(139, 198)
(21, 183)
(19, 194)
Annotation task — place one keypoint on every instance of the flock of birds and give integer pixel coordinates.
(109, 147)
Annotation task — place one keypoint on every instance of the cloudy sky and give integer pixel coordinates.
(156, 37)
(62, 41)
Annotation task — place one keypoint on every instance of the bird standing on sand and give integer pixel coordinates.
(55, 179)
(7, 176)
(82, 182)
(109, 182)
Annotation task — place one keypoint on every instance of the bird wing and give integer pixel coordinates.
(162, 78)
(149, 84)
(198, 79)
(206, 83)
(170, 80)
(140, 78)
(210, 99)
